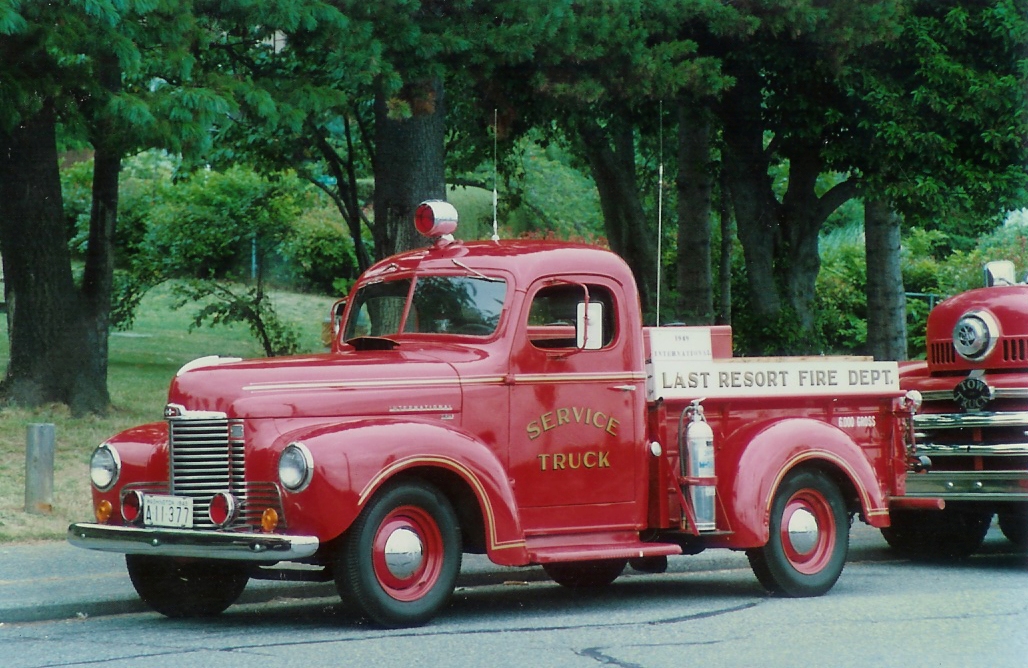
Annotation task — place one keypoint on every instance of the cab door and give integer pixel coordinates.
(576, 406)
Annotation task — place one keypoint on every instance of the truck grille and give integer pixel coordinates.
(1015, 350)
(205, 461)
(942, 353)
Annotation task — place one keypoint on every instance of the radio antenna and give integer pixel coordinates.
(660, 200)
(496, 233)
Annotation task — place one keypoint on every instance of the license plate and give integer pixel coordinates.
(168, 511)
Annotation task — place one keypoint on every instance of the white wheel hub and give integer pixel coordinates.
(404, 553)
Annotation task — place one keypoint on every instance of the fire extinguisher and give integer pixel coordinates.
(699, 463)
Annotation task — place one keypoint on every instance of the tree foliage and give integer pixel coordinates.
(916, 104)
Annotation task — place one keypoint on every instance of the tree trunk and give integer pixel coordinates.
(91, 394)
(799, 224)
(611, 156)
(886, 299)
(695, 285)
(46, 337)
(725, 266)
(409, 164)
(802, 215)
(756, 209)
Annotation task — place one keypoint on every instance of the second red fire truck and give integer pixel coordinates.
(971, 458)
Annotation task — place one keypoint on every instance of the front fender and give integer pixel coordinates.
(353, 460)
(771, 451)
(143, 452)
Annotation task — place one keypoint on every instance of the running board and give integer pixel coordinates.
(554, 554)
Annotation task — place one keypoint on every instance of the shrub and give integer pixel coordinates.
(319, 253)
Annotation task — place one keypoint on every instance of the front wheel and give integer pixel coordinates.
(1014, 525)
(186, 587)
(953, 533)
(809, 537)
(401, 558)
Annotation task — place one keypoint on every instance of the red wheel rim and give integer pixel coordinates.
(807, 532)
(407, 553)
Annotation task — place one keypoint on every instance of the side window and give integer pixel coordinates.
(554, 313)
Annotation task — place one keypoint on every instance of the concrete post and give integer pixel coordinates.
(39, 469)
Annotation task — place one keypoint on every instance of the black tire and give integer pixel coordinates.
(579, 574)
(808, 540)
(1014, 525)
(953, 533)
(415, 524)
(186, 587)
(649, 564)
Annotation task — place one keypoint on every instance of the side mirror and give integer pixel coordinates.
(999, 272)
(589, 326)
(330, 326)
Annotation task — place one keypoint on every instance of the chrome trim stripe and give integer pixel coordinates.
(961, 420)
(448, 381)
(189, 543)
(577, 377)
(373, 384)
(997, 393)
(971, 449)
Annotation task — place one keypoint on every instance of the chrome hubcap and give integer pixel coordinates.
(404, 553)
(803, 531)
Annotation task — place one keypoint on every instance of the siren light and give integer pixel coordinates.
(435, 218)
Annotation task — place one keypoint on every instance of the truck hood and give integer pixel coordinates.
(346, 384)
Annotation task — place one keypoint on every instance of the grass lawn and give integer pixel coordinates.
(142, 362)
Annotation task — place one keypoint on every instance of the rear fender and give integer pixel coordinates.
(773, 451)
(353, 460)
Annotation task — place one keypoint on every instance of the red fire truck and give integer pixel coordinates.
(500, 398)
(971, 458)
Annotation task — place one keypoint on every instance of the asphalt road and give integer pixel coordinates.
(60, 606)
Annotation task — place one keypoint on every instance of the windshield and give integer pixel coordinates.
(440, 305)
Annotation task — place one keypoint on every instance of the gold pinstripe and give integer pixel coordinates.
(494, 542)
(842, 463)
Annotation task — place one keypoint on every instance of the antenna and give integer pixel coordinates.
(660, 201)
(496, 234)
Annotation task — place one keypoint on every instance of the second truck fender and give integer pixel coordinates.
(774, 450)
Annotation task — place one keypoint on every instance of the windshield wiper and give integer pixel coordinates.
(477, 273)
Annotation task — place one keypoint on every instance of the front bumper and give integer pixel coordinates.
(191, 543)
(969, 485)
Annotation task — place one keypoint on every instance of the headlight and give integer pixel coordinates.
(295, 467)
(104, 467)
(975, 335)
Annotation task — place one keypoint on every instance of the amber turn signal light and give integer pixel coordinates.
(269, 520)
(103, 511)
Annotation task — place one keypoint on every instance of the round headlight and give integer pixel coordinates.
(295, 467)
(104, 467)
(975, 335)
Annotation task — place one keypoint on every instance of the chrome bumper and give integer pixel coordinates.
(190, 543)
(969, 485)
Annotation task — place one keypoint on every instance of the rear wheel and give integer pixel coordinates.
(577, 574)
(1014, 525)
(401, 558)
(809, 537)
(952, 533)
(186, 587)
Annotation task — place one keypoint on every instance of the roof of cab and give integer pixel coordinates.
(525, 259)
